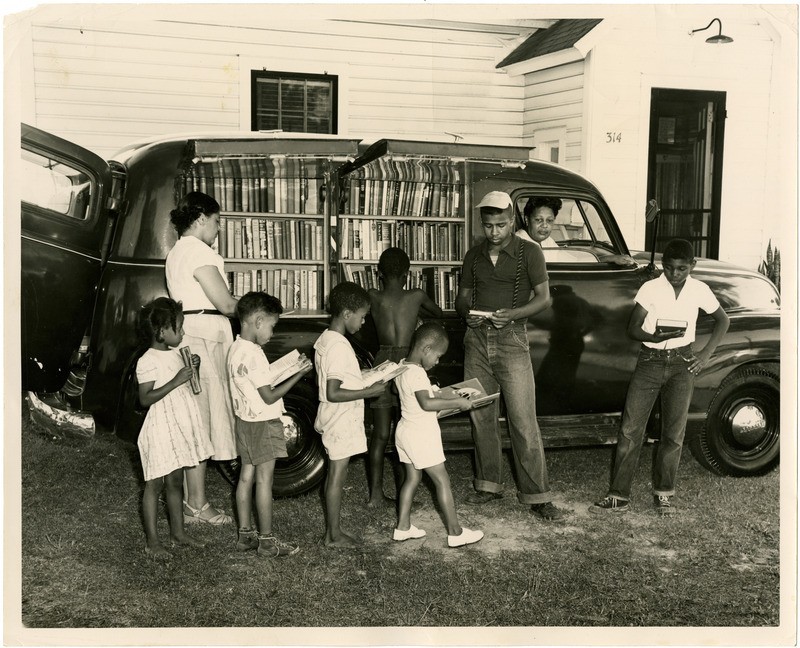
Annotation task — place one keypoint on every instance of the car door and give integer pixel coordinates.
(64, 222)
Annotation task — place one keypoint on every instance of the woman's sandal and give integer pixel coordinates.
(196, 515)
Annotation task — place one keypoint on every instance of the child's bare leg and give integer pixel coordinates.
(244, 495)
(174, 483)
(444, 495)
(334, 489)
(407, 490)
(377, 451)
(152, 488)
(264, 476)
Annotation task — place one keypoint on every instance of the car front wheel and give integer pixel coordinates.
(742, 431)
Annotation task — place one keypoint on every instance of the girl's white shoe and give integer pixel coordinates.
(412, 533)
(467, 536)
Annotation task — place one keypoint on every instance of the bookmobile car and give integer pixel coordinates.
(95, 235)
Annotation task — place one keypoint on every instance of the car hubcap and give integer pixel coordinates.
(292, 435)
(748, 425)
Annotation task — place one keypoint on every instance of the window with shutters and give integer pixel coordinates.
(294, 103)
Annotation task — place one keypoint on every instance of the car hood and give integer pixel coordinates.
(735, 287)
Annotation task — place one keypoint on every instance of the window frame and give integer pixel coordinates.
(255, 75)
(580, 203)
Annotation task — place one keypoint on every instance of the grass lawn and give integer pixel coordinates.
(715, 564)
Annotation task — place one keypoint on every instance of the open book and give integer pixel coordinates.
(284, 368)
(384, 372)
(472, 389)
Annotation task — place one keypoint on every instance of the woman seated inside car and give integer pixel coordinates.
(539, 216)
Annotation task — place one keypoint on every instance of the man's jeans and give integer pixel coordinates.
(501, 358)
(656, 371)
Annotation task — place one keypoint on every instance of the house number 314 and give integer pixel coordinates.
(613, 137)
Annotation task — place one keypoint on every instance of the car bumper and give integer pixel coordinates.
(58, 418)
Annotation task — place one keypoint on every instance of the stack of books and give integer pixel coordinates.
(418, 189)
(277, 185)
(441, 284)
(423, 241)
(263, 238)
(297, 288)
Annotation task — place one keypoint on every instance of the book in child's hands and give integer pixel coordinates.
(284, 368)
(472, 389)
(384, 372)
(668, 326)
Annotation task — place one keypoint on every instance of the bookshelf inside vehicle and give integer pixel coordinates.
(416, 196)
(275, 201)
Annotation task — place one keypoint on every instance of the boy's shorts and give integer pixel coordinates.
(258, 442)
(343, 443)
(389, 396)
(421, 449)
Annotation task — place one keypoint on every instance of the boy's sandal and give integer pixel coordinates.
(212, 516)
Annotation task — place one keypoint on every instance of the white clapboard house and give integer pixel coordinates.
(621, 93)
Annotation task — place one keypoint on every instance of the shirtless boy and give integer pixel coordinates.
(396, 312)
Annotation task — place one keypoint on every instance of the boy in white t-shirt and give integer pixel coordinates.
(667, 365)
(257, 407)
(340, 415)
(419, 438)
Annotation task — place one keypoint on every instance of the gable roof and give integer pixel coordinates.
(562, 35)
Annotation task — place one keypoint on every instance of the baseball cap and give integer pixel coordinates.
(496, 199)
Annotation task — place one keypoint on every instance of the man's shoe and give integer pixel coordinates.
(610, 504)
(467, 536)
(548, 511)
(272, 547)
(412, 533)
(664, 505)
(482, 497)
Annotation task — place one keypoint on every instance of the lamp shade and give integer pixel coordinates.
(719, 39)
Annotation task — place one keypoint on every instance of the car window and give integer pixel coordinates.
(55, 186)
(569, 230)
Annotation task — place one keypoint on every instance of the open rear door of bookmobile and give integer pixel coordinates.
(65, 221)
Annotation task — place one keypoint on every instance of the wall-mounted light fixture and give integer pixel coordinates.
(719, 38)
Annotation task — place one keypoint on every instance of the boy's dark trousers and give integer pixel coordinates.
(657, 371)
(501, 357)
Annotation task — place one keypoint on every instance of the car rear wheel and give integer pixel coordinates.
(304, 467)
(741, 436)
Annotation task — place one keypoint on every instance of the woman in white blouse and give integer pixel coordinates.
(196, 278)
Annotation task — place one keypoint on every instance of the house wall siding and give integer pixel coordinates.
(667, 57)
(555, 98)
(104, 85)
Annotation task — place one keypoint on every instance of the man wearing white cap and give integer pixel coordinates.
(503, 283)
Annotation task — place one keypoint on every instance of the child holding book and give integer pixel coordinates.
(667, 365)
(258, 406)
(340, 415)
(419, 438)
(395, 311)
(172, 436)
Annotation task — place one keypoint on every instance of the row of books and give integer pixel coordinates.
(425, 170)
(288, 186)
(297, 288)
(422, 241)
(441, 284)
(402, 198)
(263, 238)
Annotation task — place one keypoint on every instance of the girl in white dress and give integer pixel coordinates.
(172, 436)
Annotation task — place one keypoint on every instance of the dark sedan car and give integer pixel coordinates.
(95, 236)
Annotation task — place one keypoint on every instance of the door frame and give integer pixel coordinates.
(718, 98)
